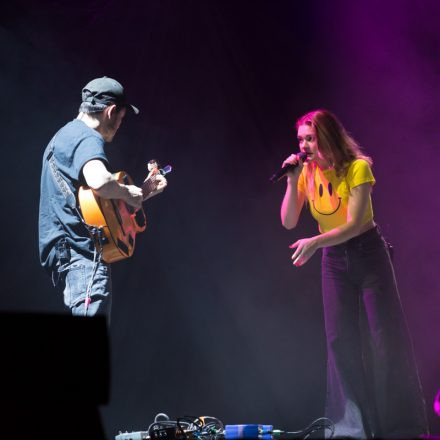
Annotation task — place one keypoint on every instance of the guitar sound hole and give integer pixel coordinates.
(140, 218)
(117, 213)
(123, 247)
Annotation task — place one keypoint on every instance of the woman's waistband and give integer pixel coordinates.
(369, 235)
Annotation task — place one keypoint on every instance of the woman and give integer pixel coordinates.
(373, 389)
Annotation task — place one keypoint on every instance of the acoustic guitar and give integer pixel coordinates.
(117, 221)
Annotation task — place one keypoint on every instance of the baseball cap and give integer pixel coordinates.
(106, 91)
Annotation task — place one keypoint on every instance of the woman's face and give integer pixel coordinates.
(308, 143)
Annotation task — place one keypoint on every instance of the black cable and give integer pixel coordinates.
(322, 423)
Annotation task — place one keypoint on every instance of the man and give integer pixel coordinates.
(74, 157)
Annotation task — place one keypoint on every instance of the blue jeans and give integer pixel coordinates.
(74, 278)
(373, 387)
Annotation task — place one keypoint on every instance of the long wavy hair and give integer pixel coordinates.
(334, 143)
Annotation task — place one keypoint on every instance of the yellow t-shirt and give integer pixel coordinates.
(329, 201)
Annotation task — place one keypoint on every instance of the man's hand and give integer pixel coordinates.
(134, 196)
(161, 183)
(106, 186)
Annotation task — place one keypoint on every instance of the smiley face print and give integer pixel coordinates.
(326, 200)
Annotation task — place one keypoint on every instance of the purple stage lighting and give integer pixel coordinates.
(437, 403)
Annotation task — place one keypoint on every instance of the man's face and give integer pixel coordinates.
(112, 122)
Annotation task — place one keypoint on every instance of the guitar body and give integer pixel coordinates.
(118, 221)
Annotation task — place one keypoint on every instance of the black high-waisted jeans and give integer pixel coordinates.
(373, 388)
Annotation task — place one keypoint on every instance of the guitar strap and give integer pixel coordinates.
(64, 188)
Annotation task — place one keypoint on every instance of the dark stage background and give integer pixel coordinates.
(209, 317)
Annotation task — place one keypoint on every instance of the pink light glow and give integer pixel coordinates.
(437, 403)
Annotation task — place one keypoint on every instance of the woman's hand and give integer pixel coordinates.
(293, 159)
(305, 248)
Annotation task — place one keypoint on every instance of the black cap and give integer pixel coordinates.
(106, 91)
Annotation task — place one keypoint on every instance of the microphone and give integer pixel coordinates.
(283, 171)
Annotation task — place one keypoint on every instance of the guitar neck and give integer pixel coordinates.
(148, 187)
(150, 183)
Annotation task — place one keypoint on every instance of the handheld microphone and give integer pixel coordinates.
(283, 171)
